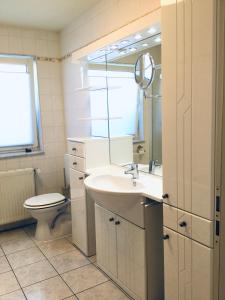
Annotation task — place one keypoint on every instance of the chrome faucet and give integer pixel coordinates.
(133, 170)
(152, 165)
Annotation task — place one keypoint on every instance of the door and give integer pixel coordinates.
(106, 240)
(131, 257)
(78, 210)
(188, 268)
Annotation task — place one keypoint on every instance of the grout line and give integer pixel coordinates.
(17, 280)
(91, 287)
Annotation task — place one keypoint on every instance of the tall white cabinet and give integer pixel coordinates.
(189, 108)
(84, 155)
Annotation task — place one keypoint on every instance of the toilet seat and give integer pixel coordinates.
(44, 201)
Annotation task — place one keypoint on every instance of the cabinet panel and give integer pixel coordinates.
(77, 163)
(131, 257)
(106, 240)
(169, 136)
(171, 265)
(76, 148)
(188, 268)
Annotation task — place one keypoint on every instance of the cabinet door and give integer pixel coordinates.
(106, 240)
(131, 257)
(188, 268)
(78, 210)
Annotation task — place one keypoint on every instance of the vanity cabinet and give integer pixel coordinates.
(84, 154)
(188, 267)
(120, 248)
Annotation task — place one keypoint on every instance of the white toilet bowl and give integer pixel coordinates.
(44, 208)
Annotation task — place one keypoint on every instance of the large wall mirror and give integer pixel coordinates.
(127, 108)
(135, 119)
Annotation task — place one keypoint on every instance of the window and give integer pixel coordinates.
(19, 106)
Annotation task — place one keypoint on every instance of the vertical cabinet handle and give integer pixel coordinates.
(117, 222)
(74, 163)
(165, 196)
(74, 149)
(80, 178)
(166, 237)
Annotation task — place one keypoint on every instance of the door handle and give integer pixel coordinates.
(166, 237)
(111, 219)
(183, 224)
(117, 222)
(165, 196)
(80, 178)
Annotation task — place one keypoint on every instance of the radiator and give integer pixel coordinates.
(15, 187)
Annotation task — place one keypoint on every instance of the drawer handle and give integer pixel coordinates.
(80, 178)
(165, 196)
(74, 149)
(111, 219)
(166, 237)
(74, 163)
(117, 222)
(183, 224)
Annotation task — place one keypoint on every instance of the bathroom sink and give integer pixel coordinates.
(119, 194)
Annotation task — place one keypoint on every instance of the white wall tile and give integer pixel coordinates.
(42, 43)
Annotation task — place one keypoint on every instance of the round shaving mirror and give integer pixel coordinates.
(144, 70)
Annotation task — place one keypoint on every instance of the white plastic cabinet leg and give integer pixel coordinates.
(131, 257)
(106, 240)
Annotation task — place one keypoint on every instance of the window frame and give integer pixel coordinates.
(37, 147)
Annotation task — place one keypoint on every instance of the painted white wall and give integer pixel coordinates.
(41, 43)
(103, 18)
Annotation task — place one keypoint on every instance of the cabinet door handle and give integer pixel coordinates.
(166, 237)
(74, 163)
(74, 149)
(165, 196)
(80, 178)
(183, 224)
(111, 219)
(117, 222)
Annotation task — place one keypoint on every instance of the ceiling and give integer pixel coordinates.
(42, 14)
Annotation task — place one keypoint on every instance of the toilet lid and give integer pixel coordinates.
(44, 200)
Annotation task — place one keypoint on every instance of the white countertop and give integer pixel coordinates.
(153, 183)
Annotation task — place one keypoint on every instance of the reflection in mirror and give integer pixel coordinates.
(135, 114)
(144, 70)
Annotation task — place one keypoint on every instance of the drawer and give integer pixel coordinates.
(77, 163)
(76, 148)
(189, 225)
(77, 187)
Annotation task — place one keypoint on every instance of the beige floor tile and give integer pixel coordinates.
(30, 230)
(17, 245)
(1, 252)
(103, 291)
(25, 257)
(84, 278)
(12, 235)
(8, 283)
(69, 261)
(4, 265)
(92, 259)
(55, 247)
(69, 298)
(17, 295)
(33, 273)
(51, 289)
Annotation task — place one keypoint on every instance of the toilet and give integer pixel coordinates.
(44, 208)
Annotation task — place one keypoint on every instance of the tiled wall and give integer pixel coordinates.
(104, 17)
(41, 43)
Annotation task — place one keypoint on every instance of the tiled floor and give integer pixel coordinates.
(49, 270)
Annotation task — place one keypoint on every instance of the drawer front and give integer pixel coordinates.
(76, 148)
(77, 163)
(77, 187)
(189, 225)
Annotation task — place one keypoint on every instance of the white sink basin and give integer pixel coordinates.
(118, 194)
(113, 184)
